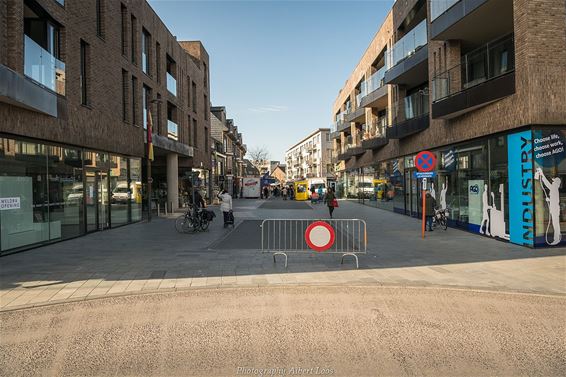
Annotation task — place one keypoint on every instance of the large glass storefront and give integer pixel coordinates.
(507, 187)
(50, 193)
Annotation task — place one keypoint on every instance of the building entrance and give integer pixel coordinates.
(97, 200)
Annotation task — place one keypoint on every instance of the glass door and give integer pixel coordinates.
(96, 200)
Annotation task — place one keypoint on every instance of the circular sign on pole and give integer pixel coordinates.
(425, 161)
(320, 236)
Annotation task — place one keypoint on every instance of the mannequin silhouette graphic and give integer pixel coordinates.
(553, 201)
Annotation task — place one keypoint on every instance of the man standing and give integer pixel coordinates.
(430, 203)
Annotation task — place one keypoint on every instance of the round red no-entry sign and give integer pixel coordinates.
(320, 236)
(425, 161)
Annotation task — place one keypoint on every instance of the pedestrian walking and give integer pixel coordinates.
(226, 208)
(265, 192)
(284, 193)
(320, 193)
(430, 204)
(331, 201)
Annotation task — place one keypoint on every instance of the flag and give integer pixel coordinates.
(149, 132)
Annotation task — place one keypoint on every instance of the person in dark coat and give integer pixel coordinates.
(329, 199)
(430, 204)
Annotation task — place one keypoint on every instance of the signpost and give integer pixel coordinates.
(425, 162)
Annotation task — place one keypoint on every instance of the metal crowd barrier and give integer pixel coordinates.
(282, 236)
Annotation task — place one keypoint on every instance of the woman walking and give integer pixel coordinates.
(226, 208)
(331, 201)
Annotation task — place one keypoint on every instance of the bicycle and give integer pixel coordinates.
(440, 218)
(192, 220)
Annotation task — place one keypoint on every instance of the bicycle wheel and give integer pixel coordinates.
(444, 223)
(180, 223)
(204, 224)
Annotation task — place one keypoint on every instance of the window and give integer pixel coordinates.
(158, 61)
(145, 48)
(83, 73)
(134, 100)
(189, 136)
(124, 95)
(189, 91)
(205, 75)
(206, 146)
(146, 98)
(124, 12)
(100, 18)
(134, 33)
(158, 129)
(194, 96)
(195, 133)
(205, 107)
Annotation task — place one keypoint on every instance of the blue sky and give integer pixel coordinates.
(277, 65)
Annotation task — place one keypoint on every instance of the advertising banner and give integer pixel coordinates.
(521, 203)
(549, 153)
(475, 195)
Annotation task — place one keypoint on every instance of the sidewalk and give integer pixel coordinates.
(152, 256)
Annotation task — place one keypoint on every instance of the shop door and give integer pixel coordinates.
(96, 199)
(412, 193)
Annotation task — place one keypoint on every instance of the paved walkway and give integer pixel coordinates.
(154, 257)
(329, 331)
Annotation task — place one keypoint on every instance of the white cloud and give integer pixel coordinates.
(268, 109)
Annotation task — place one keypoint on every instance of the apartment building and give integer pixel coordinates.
(78, 80)
(310, 157)
(481, 84)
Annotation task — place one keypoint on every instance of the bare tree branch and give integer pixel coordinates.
(258, 156)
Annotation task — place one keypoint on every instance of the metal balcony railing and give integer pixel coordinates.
(489, 61)
(410, 107)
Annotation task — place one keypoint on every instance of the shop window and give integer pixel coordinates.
(136, 184)
(24, 218)
(66, 196)
(121, 191)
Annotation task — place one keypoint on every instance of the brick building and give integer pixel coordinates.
(482, 85)
(77, 82)
(228, 158)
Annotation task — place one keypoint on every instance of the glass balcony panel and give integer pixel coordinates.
(437, 7)
(407, 45)
(171, 84)
(172, 130)
(43, 67)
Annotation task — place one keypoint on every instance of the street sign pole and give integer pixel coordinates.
(424, 206)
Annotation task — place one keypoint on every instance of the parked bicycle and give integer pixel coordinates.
(193, 220)
(440, 218)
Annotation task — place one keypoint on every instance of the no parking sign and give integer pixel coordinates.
(425, 161)
(320, 236)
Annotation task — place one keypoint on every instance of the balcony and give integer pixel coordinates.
(374, 89)
(340, 124)
(355, 149)
(344, 156)
(171, 84)
(42, 67)
(411, 115)
(375, 136)
(358, 115)
(172, 130)
(485, 75)
(407, 60)
(458, 19)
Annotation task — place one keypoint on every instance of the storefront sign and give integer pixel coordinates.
(9, 203)
(521, 203)
(449, 160)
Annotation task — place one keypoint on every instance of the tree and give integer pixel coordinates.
(259, 156)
